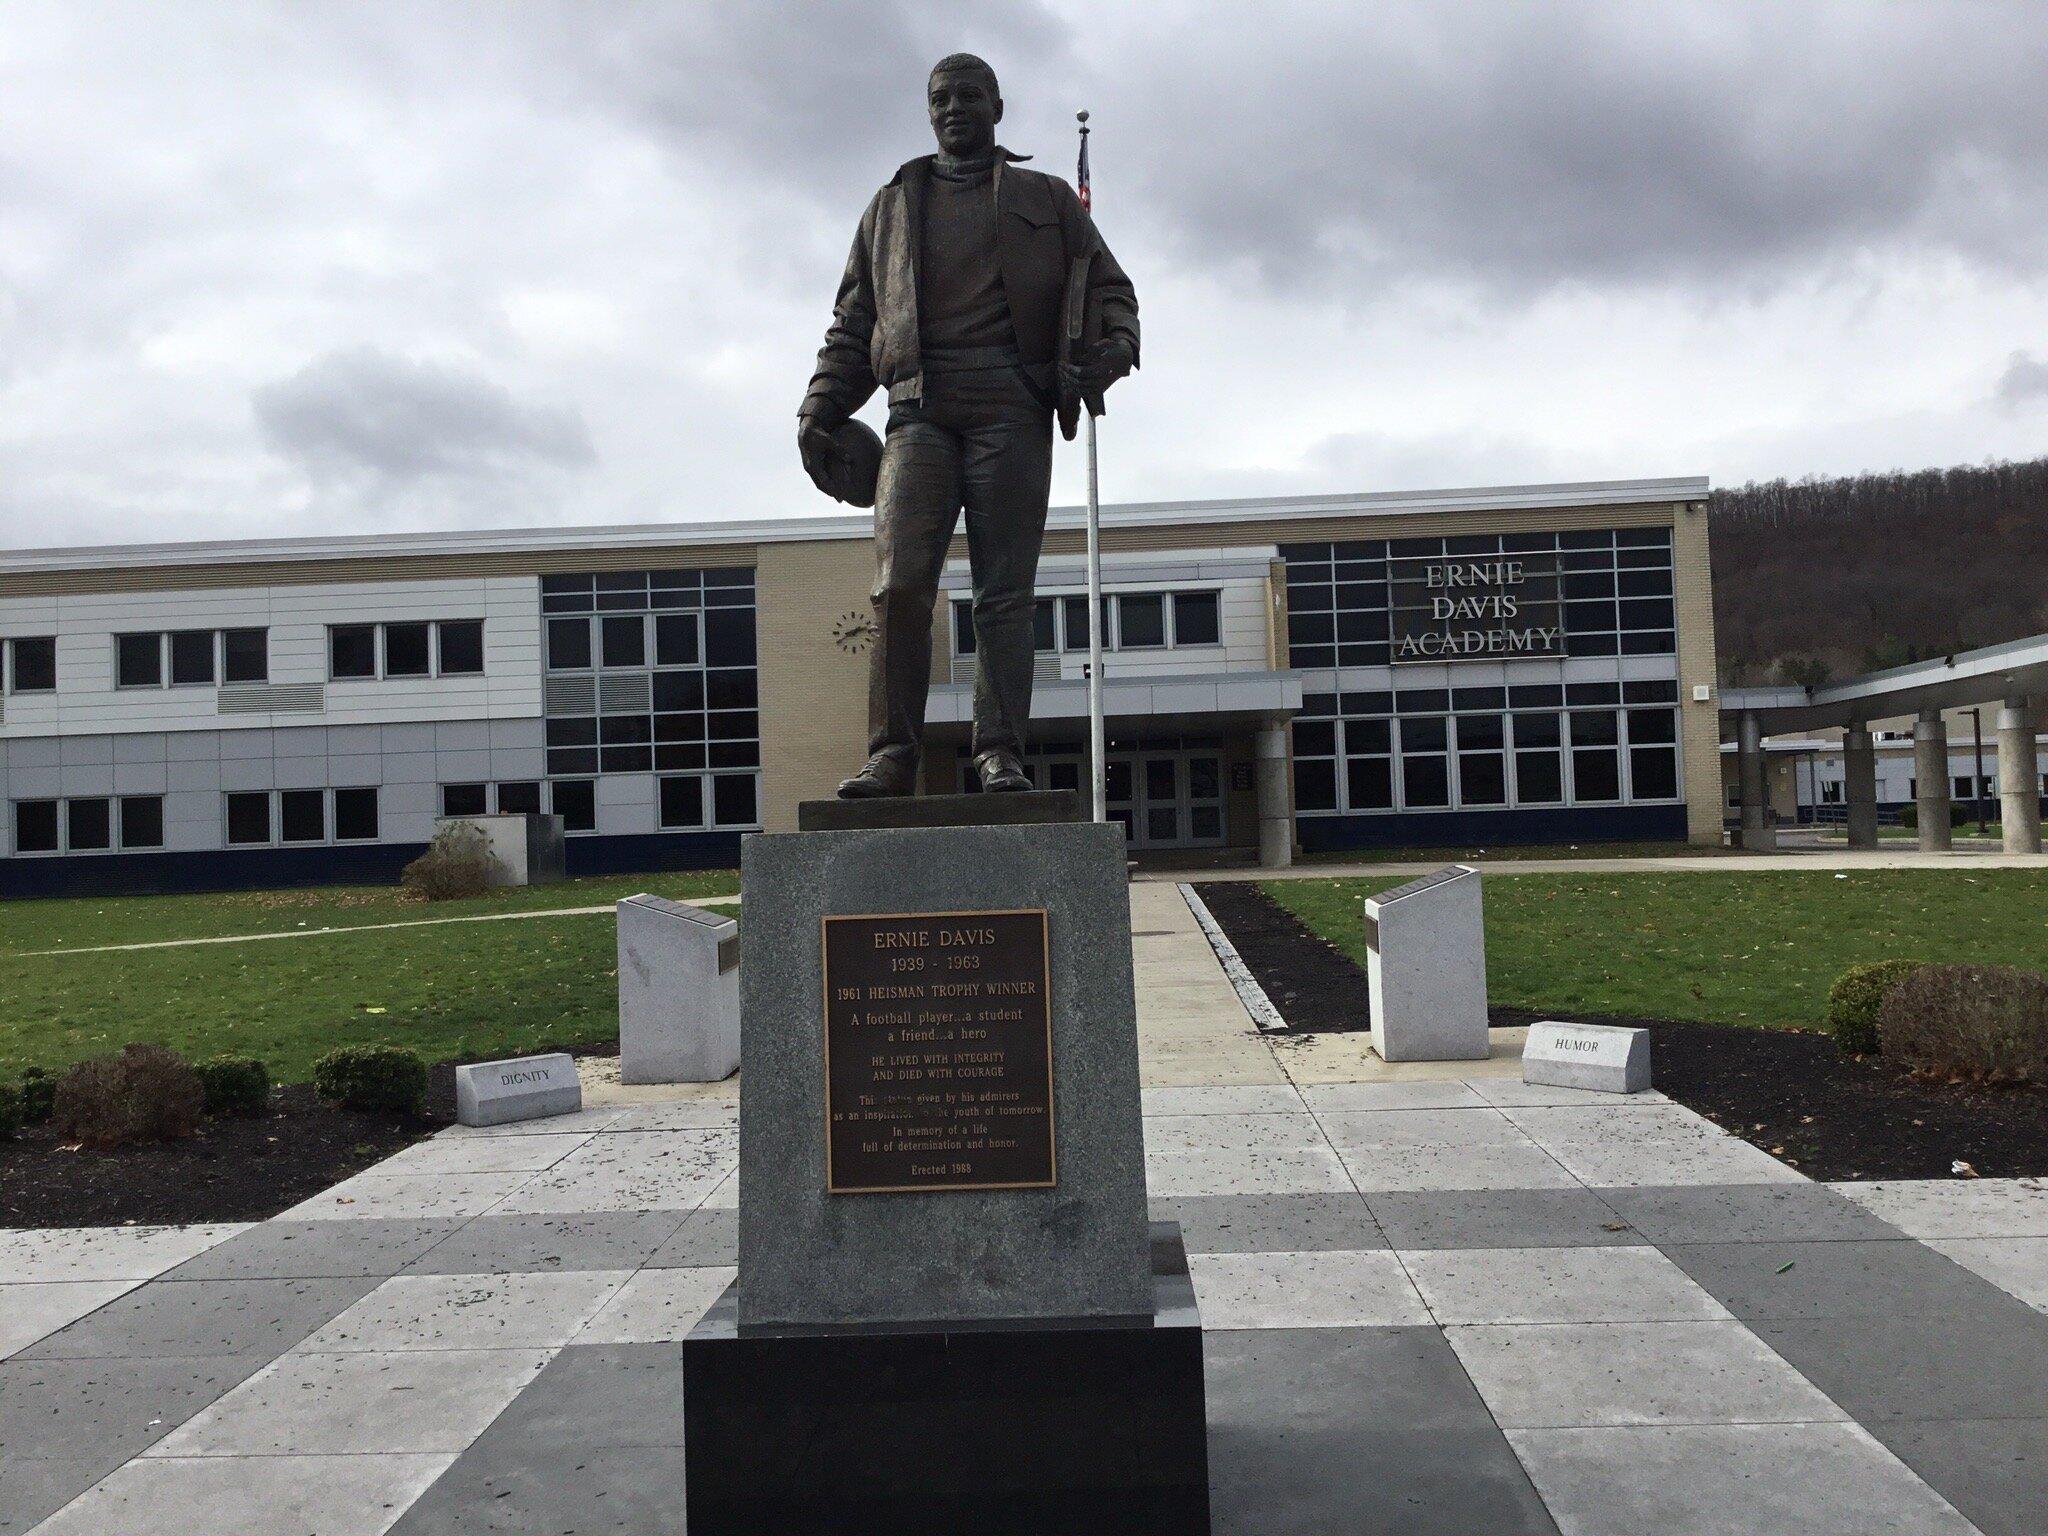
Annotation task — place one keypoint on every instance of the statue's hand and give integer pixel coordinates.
(1093, 369)
(814, 443)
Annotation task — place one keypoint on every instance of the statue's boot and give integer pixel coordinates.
(1001, 773)
(881, 777)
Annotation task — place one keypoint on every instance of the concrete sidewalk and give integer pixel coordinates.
(1811, 861)
(1436, 1301)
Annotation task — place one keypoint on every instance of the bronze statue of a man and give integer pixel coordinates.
(980, 296)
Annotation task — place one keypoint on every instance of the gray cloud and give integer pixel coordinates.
(2025, 378)
(363, 415)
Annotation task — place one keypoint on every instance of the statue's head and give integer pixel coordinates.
(965, 105)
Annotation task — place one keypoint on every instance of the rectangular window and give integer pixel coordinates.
(89, 825)
(35, 826)
(732, 800)
(461, 644)
(682, 801)
(192, 657)
(142, 821)
(1653, 773)
(406, 650)
(521, 798)
(1539, 778)
(625, 642)
(32, 664)
(355, 815)
(568, 644)
(463, 800)
(1042, 636)
(1140, 620)
(303, 816)
(675, 639)
(245, 655)
(963, 629)
(138, 661)
(575, 801)
(1075, 618)
(1196, 618)
(1370, 783)
(249, 817)
(351, 651)
(1425, 782)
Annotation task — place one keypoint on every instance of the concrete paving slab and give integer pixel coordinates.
(515, 1244)
(1272, 1223)
(1756, 1213)
(1513, 1093)
(33, 1311)
(1499, 1218)
(689, 1115)
(203, 1317)
(1557, 1285)
(483, 1154)
(725, 1194)
(1304, 1290)
(1778, 1280)
(1347, 1057)
(34, 1254)
(407, 1197)
(1481, 1127)
(469, 1312)
(706, 1237)
(1210, 1171)
(1620, 1163)
(1514, 1165)
(657, 1306)
(1619, 1118)
(1731, 1480)
(1550, 1376)
(613, 1395)
(1355, 1098)
(492, 1492)
(295, 1250)
(250, 1496)
(631, 1171)
(1354, 1430)
(1171, 1135)
(2016, 1265)
(1930, 1208)
(1994, 1471)
(360, 1404)
(63, 1409)
(1238, 1099)
(1987, 1361)
(30, 1490)
(583, 1120)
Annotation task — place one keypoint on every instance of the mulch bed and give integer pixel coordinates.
(234, 1170)
(1788, 1091)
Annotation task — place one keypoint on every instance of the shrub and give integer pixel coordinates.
(382, 1078)
(1853, 1000)
(1987, 1022)
(457, 864)
(235, 1085)
(38, 1094)
(139, 1093)
(10, 1110)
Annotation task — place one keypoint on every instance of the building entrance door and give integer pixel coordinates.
(1168, 799)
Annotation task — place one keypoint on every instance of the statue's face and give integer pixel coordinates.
(964, 112)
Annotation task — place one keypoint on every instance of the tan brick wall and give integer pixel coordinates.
(814, 693)
(1699, 723)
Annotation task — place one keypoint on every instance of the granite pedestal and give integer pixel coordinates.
(527, 847)
(679, 992)
(1426, 968)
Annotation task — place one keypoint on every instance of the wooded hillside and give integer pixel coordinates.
(1816, 579)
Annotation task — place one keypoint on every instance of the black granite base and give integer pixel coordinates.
(998, 1429)
(1019, 809)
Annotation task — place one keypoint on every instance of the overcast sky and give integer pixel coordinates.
(307, 268)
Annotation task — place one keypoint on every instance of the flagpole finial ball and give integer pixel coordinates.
(1081, 117)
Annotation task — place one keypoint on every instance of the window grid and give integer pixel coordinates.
(403, 649)
(1184, 620)
(189, 658)
(287, 818)
(31, 664)
(85, 824)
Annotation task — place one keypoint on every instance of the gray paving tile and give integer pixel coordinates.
(538, 1244)
(204, 1317)
(1732, 1480)
(585, 1490)
(1271, 1223)
(250, 1496)
(298, 1250)
(2016, 1265)
(1305, 1290)
(31, 1489)
(1355, 1430)
(1744, 1213)
(1499, 1218)
(37, 1309)
(1994, 1470)
(1986, 1362)
(607, 1395)
(1830, 1279)
(658, 1306)
(1557, 1285)
(63, 1409)
(706, 1237)
(534, 1311)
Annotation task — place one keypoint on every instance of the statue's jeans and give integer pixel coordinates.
(979, 442)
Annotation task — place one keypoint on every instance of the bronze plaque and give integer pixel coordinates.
(938, 1052)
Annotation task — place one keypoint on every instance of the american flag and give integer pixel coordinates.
(1081, 172)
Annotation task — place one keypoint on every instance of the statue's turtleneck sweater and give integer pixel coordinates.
(961, 303)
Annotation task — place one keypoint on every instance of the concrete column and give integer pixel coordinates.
(1276, 812)
(1930, 765)
(2019, 778)
(1859, 768)
(1759, 827)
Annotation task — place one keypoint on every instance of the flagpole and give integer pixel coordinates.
(1098, 764)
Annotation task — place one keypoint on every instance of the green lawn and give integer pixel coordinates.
(456, 989)
(1738, 948)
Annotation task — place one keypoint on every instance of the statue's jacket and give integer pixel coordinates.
(1063, 285)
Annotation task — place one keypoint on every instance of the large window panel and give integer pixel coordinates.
(682, 801)
(88, 825)
(1425, 782)
(1197, 618)
(139, 661)
(461, 646)
(407, 650)
(35, 826)
(245, 655)
(733, 800)
(32, 664)
(355, 815)
(192, 657)
(675, 640)
(625, 641)
(1315, 784)
(142, 821)
(568, 645)
(575, 801)
(1140, 620)
(302, 816)
(249, 817)
(352, 651)
(1369, 783)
